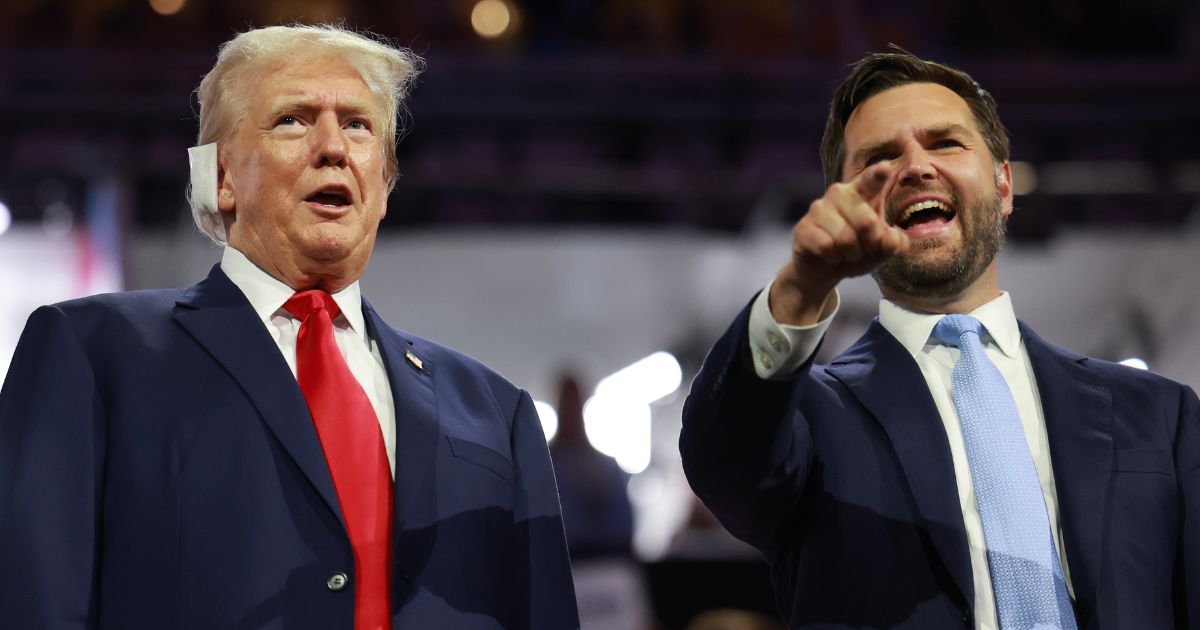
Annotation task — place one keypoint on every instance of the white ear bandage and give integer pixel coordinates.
(203, 162)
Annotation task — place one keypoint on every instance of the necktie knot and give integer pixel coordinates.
(304, 303)
(950, 329)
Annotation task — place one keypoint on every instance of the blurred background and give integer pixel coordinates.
(591, 189)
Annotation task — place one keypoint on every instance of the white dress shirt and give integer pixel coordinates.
(267, 296)
(778, 349)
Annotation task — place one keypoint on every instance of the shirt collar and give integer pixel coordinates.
(913, 328)
(267, 294)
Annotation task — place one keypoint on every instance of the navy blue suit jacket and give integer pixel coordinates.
(159, 469)
(842, 477)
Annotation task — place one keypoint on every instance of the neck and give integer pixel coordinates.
(330, 279)
(327, 280)
(299, 271)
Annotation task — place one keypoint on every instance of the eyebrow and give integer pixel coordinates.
(952, 129)
(932, 133)
(302, 102)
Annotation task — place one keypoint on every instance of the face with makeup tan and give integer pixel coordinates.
(302, 184)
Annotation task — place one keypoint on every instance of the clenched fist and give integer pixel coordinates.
(844, 234)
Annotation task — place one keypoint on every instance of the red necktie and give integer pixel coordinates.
(350, 436)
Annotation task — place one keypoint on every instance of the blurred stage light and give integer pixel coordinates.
(617, 418)
(647, 380)
(1025, 179)
(647, 489)
(548, 416)
(1107, 177)
(5, 218)
(620, 428)
(57, 220)
(492, 18)
(1135, 362)
(167, 7)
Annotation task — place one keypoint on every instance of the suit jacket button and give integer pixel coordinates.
(337, 581)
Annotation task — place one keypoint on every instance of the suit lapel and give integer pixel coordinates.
(217, 315)
(886, 380)
(1077, 406)
(410, 376)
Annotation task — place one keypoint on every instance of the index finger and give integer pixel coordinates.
(871, 181)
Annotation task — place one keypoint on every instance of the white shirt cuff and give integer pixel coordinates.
(778, 349)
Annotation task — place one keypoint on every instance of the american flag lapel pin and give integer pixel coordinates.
(414, 360)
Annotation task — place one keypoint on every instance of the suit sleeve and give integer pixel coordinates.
(51, 455)
(546, 593)
(1187, 461)
(746, 448)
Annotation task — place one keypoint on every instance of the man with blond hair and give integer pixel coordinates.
(262, 450)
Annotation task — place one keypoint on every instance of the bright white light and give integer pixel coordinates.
(5, 218)
(548, 416)
(617, 418)
(645, 381)
(1135, 362)
(619, 427)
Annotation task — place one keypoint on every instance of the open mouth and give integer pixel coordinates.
(330, 197)
(924, 215)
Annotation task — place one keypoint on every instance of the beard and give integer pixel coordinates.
(921, 272)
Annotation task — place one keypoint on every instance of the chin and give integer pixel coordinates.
(330, 242)
(932, 258)
(325, 251)
(927, 271)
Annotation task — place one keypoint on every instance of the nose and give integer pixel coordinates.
(330, 143)
(915, 166)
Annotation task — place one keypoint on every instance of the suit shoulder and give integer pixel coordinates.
(121, 304)
(106, 330)
(1124, 376)
(99, 321)
(108, 313)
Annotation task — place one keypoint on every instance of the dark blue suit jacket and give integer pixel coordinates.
(159, 469)
(842, 477)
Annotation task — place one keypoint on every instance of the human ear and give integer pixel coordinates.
(225, 185)
(1004, 186)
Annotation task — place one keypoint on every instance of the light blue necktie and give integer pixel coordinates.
(1026, 576)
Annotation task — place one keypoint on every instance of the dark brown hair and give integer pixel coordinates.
(881, 71)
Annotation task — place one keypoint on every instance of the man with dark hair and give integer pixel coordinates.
(951, 468)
